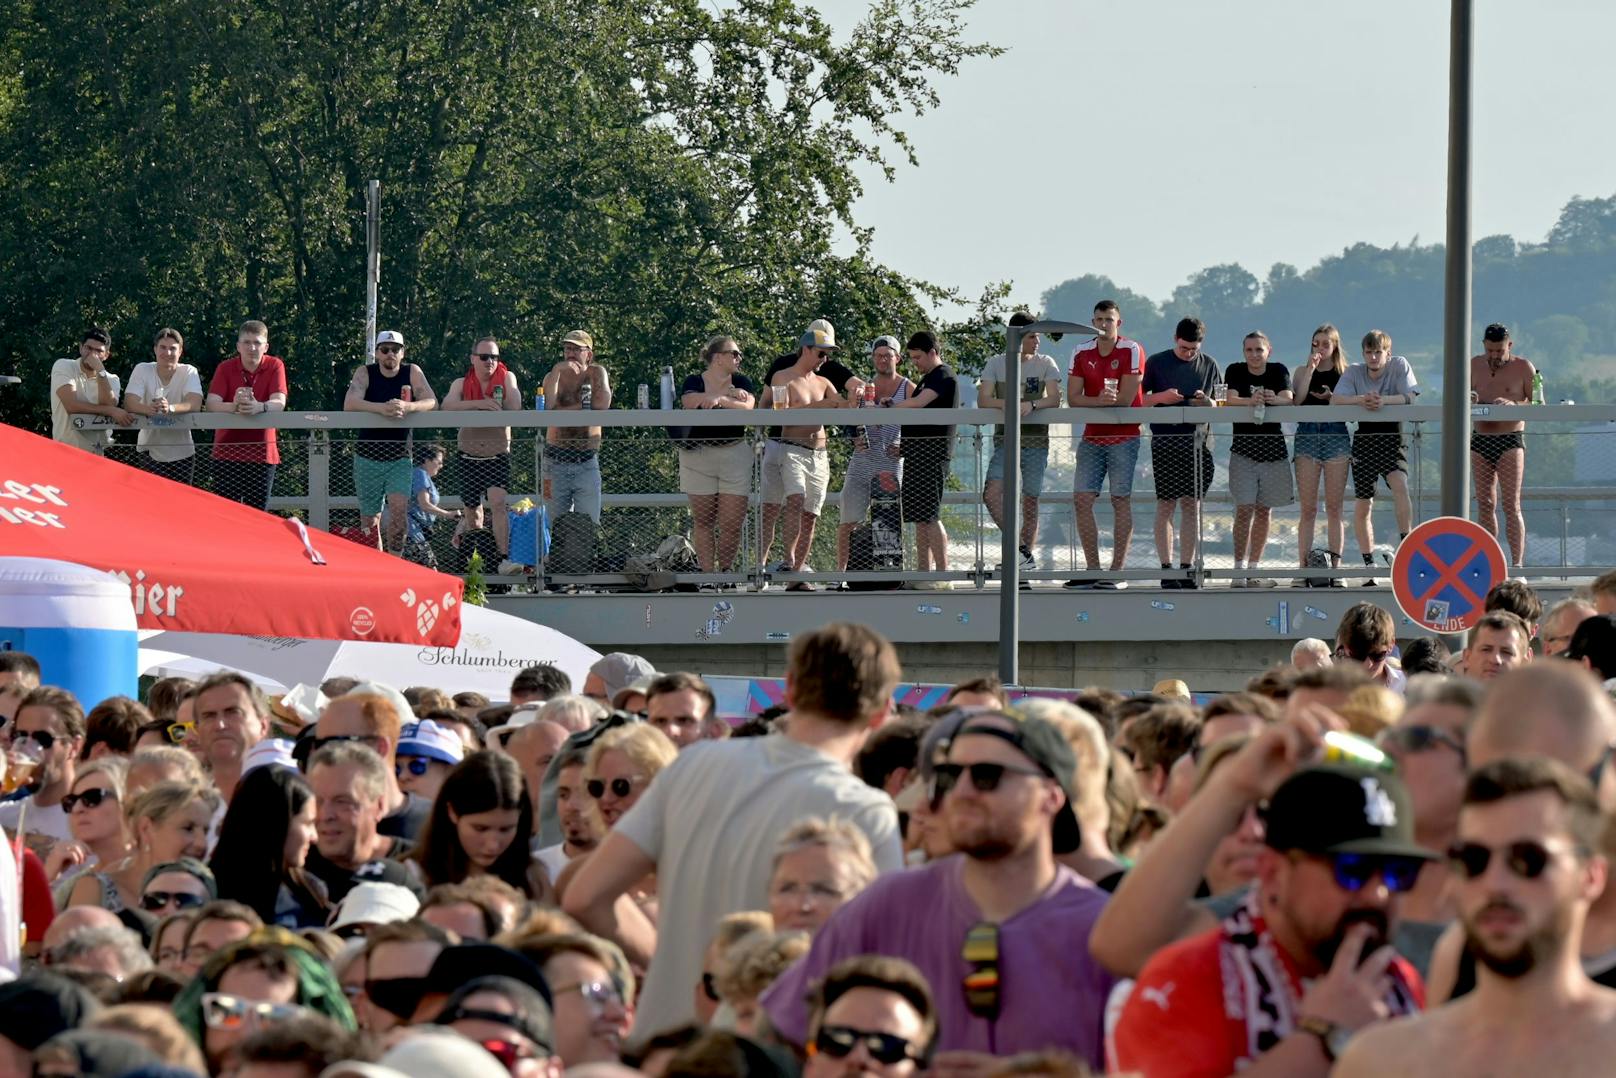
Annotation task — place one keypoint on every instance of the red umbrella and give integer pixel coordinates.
(200, 563)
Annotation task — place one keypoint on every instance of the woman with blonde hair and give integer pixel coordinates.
(715, 463)
(166, 822)
(621, 764)
(1321, 449)
(94, 807)
(819, 865)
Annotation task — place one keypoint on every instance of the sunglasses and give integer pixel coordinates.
(838, 1042)
(415, 765)
(509, 1053)
(380, 348)
(1525, 859)
(1419, 738)
(89, 798)
(709, 986)
(398, 996)
(221, 1011)
(1378, 656)
(486, 357)
(985, 777)
(179, 731)
(152, 901)
(1353, 871)
(981, 984)
(619, 787)
(43, 738)
(599, 993)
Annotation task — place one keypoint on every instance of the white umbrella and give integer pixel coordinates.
(492, 648)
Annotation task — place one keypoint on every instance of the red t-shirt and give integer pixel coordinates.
(1181, 1022)
(1127, 358)
(254, 446)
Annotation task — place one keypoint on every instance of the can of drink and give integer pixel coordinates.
(499, 396)
(586, 397)
(1341, 747)
(406, 395)
(642, 399)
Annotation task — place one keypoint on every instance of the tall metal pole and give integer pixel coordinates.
(1456, 308)
(1010, 513)
(373, 262)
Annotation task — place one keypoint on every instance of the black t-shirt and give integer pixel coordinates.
(1257, 441)
(705, 436)
(339, 881)
(408, 822)
(1323, 378)
(830, 370)
(919, 441)
(1165, 370)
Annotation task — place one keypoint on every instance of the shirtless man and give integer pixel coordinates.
(1497, 449)
(572, 454)
(1526, 874)
(796, 466)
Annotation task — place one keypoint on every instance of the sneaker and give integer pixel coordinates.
(1110, 585)
(1239, 582)
(1079, 585)
(1028, 563)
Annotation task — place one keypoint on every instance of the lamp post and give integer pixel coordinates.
(1010, 564)
(1456, 305)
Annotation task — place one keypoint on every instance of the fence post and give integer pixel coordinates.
(319, 480)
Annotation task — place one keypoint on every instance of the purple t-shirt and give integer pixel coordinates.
(1052, 994)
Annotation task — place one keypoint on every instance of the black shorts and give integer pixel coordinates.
(1172, 460)
(923, 479)
(1494, 446)
(477, 474)
(1374, 456)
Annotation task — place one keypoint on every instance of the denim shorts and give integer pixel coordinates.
(1323, 441)
(1095, 461)
(1034, 458)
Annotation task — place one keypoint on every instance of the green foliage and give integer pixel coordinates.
(476, 582)
(654, 171)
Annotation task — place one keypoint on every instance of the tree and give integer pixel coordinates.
(1074, 301)
(1561, 338)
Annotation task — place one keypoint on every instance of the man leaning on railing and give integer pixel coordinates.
(391, 388)
(251, 382)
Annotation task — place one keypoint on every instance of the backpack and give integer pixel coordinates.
(574, 545)
(1317, 558)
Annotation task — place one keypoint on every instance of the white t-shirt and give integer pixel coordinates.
(1037, 366)
(87, 388)
(166, 442)
(50, 821)
(553, 858)
(712, 821)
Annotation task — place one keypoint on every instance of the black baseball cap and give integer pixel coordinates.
(1330, 808)
(1595, 640)
(1044, 745)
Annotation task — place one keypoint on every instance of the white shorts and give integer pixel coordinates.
(716, 469)
(795, 470)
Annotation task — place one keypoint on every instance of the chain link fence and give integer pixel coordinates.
(877, 502)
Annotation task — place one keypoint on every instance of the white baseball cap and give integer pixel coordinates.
(270, 752)
(427, 738)
(373, 903)
(390, 336)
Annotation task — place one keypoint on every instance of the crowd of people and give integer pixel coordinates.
(905, 466)
(1377, 857)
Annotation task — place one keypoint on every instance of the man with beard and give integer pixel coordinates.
(1527, 873)
(1282, 983)
(999, 931)
(394, 389)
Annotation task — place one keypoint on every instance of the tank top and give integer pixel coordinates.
(390, 442)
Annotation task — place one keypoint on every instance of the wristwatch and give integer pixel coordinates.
(1332, 1036)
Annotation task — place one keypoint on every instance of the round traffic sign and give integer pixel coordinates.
(1443, 571)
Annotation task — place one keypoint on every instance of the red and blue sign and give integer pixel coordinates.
(1443, 572)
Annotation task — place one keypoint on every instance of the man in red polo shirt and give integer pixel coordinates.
(1106, 373)
(251, 382)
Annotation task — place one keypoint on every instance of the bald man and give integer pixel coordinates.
(74, 918)
(1549, 709)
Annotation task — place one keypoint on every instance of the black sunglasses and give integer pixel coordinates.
(389, 348)
(1353, 871)
(89, 798)
(398, 996)
(43, 738)
(492, 357)
(1379, 656)
(1420, 738)
(1525, 859)
(838, 1042)
(709, 986)
(156, 900)
(619, 787)
(985, 777)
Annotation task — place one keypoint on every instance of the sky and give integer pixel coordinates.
(1148, 139)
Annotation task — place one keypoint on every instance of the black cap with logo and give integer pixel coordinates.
(1044, 745)
(1330, 808)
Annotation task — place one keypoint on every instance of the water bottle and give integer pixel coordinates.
(1259, 409)
(1537, 387)
(538, 400)
(667, 388)
(642, 399)
(586, 397)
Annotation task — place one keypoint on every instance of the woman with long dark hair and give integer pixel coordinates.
(481, 823)
(263, 842)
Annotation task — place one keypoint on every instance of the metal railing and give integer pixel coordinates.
(1569, 498)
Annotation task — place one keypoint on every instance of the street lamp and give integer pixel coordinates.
(1009, 562)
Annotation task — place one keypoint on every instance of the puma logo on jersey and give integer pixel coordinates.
(1158, 996)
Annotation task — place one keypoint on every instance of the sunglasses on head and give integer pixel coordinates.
(415, 765)
(838, 1042)
(152, 901)
(1525, 859)
(1419, 738)
(985, 777)
(619, 787)
(89, 798)
(1353, 871)
(43, 738)
(226, 1012)
(398, 996)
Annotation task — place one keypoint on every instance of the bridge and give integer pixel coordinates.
(1216, 636)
